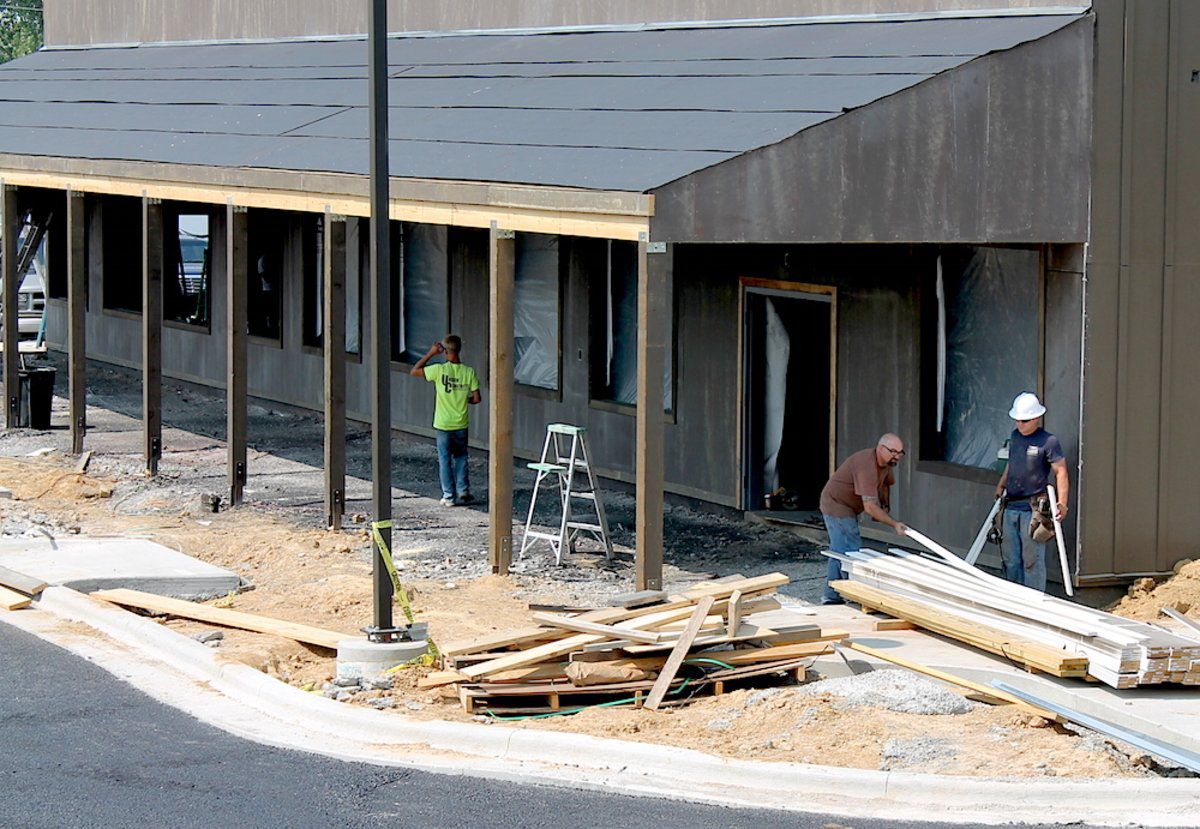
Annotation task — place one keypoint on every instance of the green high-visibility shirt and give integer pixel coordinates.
(453, 384)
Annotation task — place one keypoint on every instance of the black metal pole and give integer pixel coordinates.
(381, 307)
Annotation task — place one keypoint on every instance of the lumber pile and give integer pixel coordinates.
(943, 594)
(658, 654)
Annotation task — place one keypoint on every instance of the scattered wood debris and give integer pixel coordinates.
(944, 594)
(655, 655)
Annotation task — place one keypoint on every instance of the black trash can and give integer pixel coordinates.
(37, 392)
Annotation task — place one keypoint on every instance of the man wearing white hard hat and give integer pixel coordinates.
(1033, 456)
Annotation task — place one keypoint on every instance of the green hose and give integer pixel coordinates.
(569, 711)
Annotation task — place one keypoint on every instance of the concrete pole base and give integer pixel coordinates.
(361, 659)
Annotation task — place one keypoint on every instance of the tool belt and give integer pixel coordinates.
(1041, 523)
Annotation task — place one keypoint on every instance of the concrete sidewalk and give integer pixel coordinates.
(183, 673)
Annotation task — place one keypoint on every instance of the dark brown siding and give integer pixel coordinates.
(1140, 391)
(995, 151)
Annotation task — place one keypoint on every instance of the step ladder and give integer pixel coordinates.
(568, 468)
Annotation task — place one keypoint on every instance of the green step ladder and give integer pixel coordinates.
(572, 471)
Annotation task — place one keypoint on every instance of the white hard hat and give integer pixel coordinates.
(1026, 406)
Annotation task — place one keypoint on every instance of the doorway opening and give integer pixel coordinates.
(789, 391)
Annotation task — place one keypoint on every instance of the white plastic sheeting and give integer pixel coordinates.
(424, 292)
(992, 311)
(535, 311)
(777, 351)
(619, 383)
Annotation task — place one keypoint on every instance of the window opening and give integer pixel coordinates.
(536, 311)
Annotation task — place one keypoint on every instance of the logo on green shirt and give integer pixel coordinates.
(453, 385)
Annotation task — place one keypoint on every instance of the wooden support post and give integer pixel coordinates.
(76, 318)
(152, 314)
(653, 264)
(236, 229)
(10, 219)
(502, 267)
(334, 340)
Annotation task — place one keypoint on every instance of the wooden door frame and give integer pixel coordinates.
(768, 287)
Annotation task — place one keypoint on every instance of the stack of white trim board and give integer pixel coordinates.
(943, 594)
(653, 650)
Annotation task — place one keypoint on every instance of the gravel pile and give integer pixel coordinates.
(915, 751)
(894, 690)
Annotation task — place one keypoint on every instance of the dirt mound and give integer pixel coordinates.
(32, 480)
(1146, 598)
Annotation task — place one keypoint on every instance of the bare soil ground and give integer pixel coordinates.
(1146, 597)
(305, 573)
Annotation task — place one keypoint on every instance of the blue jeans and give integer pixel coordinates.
(1023, 560)
(452, 462)
(844, 537)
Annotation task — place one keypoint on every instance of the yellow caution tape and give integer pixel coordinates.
(400, 593)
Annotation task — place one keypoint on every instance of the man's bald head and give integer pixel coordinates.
(889, 450)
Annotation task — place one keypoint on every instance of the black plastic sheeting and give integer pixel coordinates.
(624, 110)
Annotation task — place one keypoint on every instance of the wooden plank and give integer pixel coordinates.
(678, 653)
(333, 341)
(735, 612)
(559, 647)
(953, 679)
(501, 281)
(648, 441)
(1031, 654)
(640, 598)
(152, 327)
(10, 228)
(76, 318)
(236, 273)
(747, 656)
(679, 607)
(21, 582)
(226, 618)
(583, 626)
(12, 600)
(892, 624)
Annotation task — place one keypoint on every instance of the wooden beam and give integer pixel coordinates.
(735, 612)
(502, 270)
(648, 448)
(76, 317)
(525, 208)
(584, 626)
(221, 616)
(334, 341)
(11, 221)
(152, 325)
(667, 675)
(236, 264)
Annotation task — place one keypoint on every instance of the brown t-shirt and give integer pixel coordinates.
(858, 477)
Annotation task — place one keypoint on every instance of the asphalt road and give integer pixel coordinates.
(80, 748)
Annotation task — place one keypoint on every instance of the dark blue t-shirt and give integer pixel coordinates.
(1029, 460)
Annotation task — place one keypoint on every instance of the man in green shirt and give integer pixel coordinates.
(455, 387)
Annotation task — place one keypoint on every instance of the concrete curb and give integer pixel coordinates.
(307, 722)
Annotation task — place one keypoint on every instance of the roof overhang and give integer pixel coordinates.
(525, 208)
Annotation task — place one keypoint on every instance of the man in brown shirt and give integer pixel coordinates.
(861, 484)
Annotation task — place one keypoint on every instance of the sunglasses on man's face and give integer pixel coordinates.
(896, 453)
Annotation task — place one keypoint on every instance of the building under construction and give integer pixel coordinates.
(795, 224)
